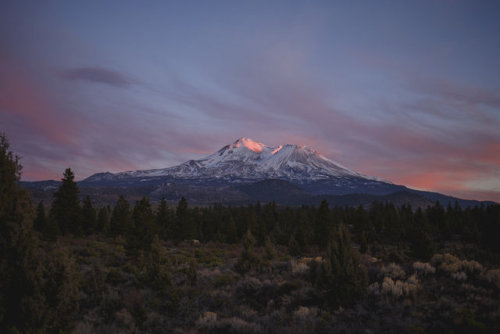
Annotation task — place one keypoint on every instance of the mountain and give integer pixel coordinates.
(247, 171)
(246, 159)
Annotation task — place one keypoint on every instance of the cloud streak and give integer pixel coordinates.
(97, 75)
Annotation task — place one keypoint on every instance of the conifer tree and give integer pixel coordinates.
(16, 242)
(41, 220)
(163, 219)
(103, 219)
(156, 267)
(230, 230)
(323, 226)
(140, 236)
(121, 218)
(33, 297)
(65, 209)
(339, 278)
(89, 217)
(248, 258)
(185, 227)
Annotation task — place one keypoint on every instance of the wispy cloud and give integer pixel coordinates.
(98, 75)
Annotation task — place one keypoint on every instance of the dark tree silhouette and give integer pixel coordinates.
(65, 210)
(41, 220)
(121, 218)
(339, 278)
(89, 217)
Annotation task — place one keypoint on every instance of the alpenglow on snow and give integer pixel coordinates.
(248, 159)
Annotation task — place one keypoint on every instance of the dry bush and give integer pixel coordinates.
(304, 312)
(493, 276)
(459, 276)
(299, 267)
(395, 289)
(207, 320)
(423, 268)
(451, 264)
(393, 271)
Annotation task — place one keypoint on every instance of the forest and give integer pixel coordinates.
(72, 266)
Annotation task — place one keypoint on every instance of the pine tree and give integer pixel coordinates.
(16, 243)
(103, 220)
(163, 219)
(230, 230)
(323, 226)
(185, 227)
(89, 217)
(121, 218)
(41, 220)
(65, 209)
(248, 259)
(143, 230)
(156, 267)
(339, 278)
(33, 297)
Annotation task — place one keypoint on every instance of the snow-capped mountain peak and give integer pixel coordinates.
(249, 144)
(252, 160)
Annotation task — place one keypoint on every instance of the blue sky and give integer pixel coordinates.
(404, 90)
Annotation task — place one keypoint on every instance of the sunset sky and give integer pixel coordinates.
(408, 91)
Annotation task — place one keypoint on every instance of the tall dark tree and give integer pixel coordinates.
(27, 304)
(121, 218)
(163, 219)
(65, 208)
(144, 228)
(103, 219)
(339, 278)
(185, 227)
(248, 259)
(230, 230)
(41, 220)
(89, 217)
(323, 225)
(16, 242)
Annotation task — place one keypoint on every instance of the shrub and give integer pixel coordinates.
(459, 276)
(223, 280)
(451, 264)
(207, 321)
(395, 289)
(423, 268)
(393, 271)
(304, 312)
(493, 276)
(299, 267)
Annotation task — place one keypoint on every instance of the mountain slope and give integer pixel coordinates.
(247, 159)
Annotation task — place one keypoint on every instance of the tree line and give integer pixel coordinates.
(303, 229)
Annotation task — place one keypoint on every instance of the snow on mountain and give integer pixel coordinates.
(248, 159)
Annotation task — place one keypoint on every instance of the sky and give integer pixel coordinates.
(408, 91)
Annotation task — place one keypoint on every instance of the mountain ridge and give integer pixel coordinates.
(247, 171)
(248, 159)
